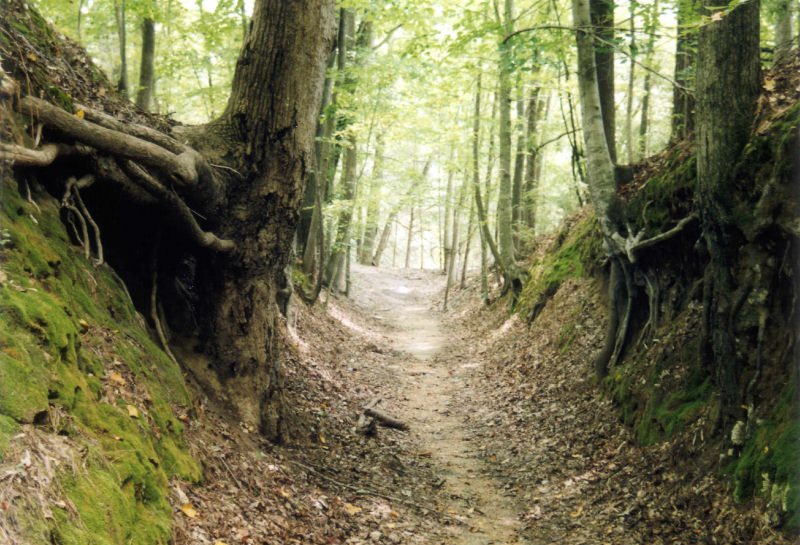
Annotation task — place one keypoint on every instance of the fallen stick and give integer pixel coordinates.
(385, 419)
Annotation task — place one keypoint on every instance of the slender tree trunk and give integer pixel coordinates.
(394, 246)
(602, 20)
(421, 239)
(80, 15)
(318, 179)
(683, 102)
(341, 244)
(242, 18)
(631, 77)
(470, 229)
(376, 259)
(147, 70)
(652, 19)
(482, 220)
(519, 166)
(373, 203)
(531, 170)
(119, 12)
(728, 86)
(784, 35)
(451, 265)
(448, 216)
(410, 233)
(504, 218)
(601, 175)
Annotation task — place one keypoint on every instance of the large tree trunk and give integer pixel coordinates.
(728, 86)
(269, 126)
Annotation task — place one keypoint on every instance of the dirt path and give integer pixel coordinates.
(429, 375)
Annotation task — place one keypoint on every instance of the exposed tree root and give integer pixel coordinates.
(179, 163)
(133, 129)
(176, 205)
(72, 193)
(26, 157)
(633, 243)
(178, 168)
(154, 310)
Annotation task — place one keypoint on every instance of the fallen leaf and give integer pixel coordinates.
(32, 57)
(351, 509)
(80, 114)
(577, 512)
(220, 543)
(717, 16)
(133, 412)
(188, 510)
(282, 493)
(117, 378)
(84, 324)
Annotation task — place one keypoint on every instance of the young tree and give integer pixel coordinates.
(119, 12)
(147, 71)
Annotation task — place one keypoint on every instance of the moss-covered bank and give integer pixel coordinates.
(77, 362)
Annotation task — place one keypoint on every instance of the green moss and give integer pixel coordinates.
(111, 510)
(772, 455)
(666, 415)
(667, 195)
(8, 427)
(566, 336)
(48, 357)
(575, 253)
(301, 281)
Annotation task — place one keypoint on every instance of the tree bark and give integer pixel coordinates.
(650, 26)
(410, 233)
(320, 175)
(144, 96)
(373, 203)
(631, 78)
(602, 17)
(519, 166)
(504, 217)
(119, 12)
(531, 167)
(728, 86)
(683, 102)
(784, 35)
(269, 124)
(601, 175)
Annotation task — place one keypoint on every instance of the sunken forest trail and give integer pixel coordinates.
(427, 378)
